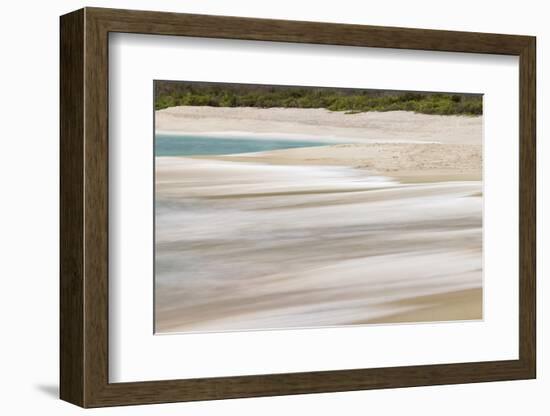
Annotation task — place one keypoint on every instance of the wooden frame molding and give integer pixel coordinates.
(84, 207)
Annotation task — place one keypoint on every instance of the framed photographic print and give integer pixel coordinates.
(255, 207)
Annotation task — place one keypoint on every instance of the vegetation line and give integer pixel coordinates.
(170, 94)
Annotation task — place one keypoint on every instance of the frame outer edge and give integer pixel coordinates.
(528, 208)
(308, 32)
(71, 291)
(96, 209)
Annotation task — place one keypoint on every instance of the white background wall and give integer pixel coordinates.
(29, 210)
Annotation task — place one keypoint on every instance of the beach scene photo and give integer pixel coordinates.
(287, 207)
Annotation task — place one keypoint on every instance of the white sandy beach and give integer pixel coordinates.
(382, 225)
(392, 126)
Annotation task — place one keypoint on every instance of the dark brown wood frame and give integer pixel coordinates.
(84, 207)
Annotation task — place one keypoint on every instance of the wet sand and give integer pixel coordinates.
(250, 246)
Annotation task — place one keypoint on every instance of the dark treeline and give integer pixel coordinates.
(174, 93)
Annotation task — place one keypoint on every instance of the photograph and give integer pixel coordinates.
(290, 207)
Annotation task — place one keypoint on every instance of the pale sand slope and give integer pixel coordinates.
(256, 246)
(394, 126)
(407, 162)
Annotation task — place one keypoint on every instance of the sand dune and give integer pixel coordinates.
(392, 126)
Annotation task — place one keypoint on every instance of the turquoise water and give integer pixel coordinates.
(191, 145)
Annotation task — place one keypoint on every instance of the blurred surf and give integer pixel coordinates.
(254, 246)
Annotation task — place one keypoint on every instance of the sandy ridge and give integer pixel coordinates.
(367, 127)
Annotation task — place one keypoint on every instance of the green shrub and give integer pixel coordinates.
(170, 94)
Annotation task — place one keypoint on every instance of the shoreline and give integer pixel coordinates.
(284, 137)
(406, 162)
(403, 145)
